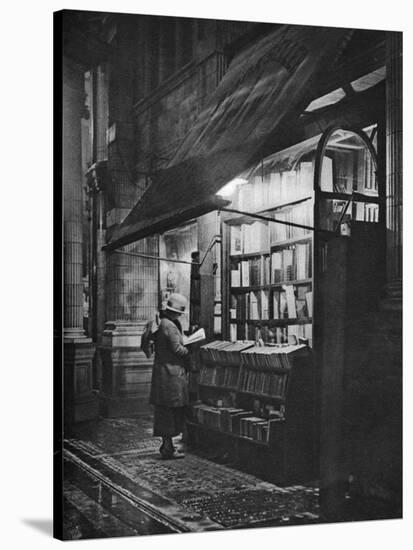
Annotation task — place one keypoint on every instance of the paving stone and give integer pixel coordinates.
(224, 494)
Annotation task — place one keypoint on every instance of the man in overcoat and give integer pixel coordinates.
(169, 387)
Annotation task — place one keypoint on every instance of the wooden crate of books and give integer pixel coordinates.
(258, 397)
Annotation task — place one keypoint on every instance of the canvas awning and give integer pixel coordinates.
(263, 86)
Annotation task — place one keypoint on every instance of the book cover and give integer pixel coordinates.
(236, 244)
(283, 307)
(288, 264)
(276, 267)
(276, 305)
(264, 304)
(236, 277)
(309, 302)
(301, 255)
(306, 179)
(253, 306)
(245, 273)
(290, 297)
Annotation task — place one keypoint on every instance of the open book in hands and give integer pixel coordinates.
(197, 336)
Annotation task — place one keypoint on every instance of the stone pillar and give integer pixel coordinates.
(79, 402)
(394, 167)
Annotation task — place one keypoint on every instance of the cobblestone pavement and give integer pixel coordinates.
(195, 485)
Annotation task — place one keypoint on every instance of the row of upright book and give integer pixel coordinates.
(219, 376)
(288, 302)
(259, 236)
(273, 187)
(252, 305)
(251, 272)
(292, 302)
(257, 374)
(263, 383)
(300, 214)
(249, 238)
(291, 334)
(291, 263)
(367, 212)
(285, 264)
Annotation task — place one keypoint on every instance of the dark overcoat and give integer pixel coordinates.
(169, 386)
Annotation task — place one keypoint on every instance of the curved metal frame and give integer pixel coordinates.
(322, 145)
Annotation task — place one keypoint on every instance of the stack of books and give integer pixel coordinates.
(207, 416)
(263, 383)
(236, 421)
(254, 428)
(231, 419)
(219, 376)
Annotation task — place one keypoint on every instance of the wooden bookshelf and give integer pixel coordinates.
(280, 420)
(269, 270)
(263, 288)
(275, 289)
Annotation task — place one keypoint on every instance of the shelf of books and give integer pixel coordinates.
(250, 395)
(270, 282)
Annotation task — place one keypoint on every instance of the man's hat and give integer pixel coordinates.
(176, 302)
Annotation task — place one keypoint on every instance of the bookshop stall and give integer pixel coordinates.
(300, 263)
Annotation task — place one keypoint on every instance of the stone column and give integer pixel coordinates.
(394, 167)
(79, 402)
